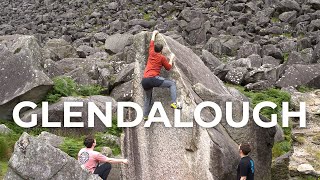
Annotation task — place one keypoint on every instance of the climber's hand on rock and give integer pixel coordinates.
(155, 32)
(172, 56)
(125, 161)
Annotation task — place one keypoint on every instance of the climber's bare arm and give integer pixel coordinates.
(172, 56)
(154, 35)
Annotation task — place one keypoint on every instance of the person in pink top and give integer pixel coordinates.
(94, 161)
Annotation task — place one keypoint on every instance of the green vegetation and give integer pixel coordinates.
(288, 35)
(304, 89)
(276, 96)
(65, 86)
(72, 145)
(146, 17)
(300, 139)
(275, 20)
(285, 57)
(17, 50)
(3, 168)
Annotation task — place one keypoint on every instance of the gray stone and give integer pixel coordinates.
(280, 166)
(221, 71)
(303, 43)
(51, 69)
(125, 75)
(51, 139)
(275, 30)
(254, 76)
(279, 136)
(296, 75)
(4, 129)
(210, 60)
(316, 54)
(272, 50)
(287, 46)
(80, 76)
(236, 76)
(289, 5)
(224, 45)
(258, 86)
(142, 22)
(11, 175)
(100, 36)
(288, 17)
(314, 25)
(207, 146)
(60, 49)
(22, 78)
(248, 49)
(116, 43)
(314, 3)
(295, 58)
(83, 51)
(34, 159)
(113, 6)
(256, 60)
(270, 60)
(106, 151)
(123, 92)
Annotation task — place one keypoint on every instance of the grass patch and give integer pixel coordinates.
(273, 95)
(276, 96)
(285, 57)
(17, 50)
(305, 89)
(65, 86)
(3, 168)
(146, 16)
(275, 20)
(7, 141)
(288, 35)
(300, 139)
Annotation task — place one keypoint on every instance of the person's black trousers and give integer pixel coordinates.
(103, 170)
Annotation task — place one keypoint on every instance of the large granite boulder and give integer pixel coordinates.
(56, 113)
(21, 74)
(57, 49)
(33, 158)
(117, 42)
(298, 74)
(189, 153)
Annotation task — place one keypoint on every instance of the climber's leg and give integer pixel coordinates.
(147, 102)
(103, 170)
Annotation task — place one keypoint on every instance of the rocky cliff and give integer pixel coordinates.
(189, 153)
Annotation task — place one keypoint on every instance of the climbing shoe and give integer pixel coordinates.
(145, 118)
(175, 106)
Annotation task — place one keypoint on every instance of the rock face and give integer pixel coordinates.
(21, 75)
(190, 153)
(4, 129)
(296, 75)
(34, 159)
(303, 160)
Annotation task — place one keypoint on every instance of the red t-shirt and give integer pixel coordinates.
(155, 63)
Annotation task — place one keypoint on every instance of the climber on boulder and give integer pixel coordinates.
(94, 161)
(151, 76)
